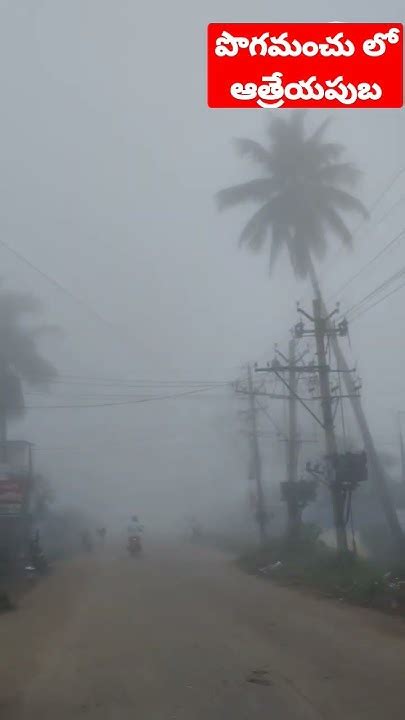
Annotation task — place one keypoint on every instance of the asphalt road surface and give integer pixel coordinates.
(181, 634)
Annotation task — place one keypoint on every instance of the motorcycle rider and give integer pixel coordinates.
(37, 556)
(134, 528)
(195, 529)
(134, 535)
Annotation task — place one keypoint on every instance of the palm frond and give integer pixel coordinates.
(279, 130)
(319, 133)
(326, 152)
(256, 230)
(13, 305)
(253, 150)
(338, 225)
(24, 357)
(342, 200)
(255, 190)
(297, 122)
(19, 354)
(342, 173)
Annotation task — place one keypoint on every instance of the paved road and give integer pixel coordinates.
(179, 635)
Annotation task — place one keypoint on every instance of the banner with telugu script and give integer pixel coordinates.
(305, 65)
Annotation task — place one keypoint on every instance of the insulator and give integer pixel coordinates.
(343, 327)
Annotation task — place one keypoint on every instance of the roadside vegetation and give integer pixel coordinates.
(310, 563)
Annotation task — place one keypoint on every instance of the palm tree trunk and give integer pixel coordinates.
(377, 475)
(314, 281)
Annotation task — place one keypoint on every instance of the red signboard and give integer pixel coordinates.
(11, 491)
(305, 65)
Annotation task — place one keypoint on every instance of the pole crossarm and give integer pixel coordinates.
(274, 396)
(302, 368)
(297, 397)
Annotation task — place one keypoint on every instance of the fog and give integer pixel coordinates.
(110, 163)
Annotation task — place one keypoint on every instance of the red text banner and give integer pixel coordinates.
(305, 65)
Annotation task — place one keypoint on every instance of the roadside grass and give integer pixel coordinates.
(310, 563)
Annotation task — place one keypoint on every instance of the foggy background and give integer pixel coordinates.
(109, 163)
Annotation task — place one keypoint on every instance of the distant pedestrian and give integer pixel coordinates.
(102, 532)
(87, 543)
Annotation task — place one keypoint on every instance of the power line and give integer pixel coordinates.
(385, 191)
(396, 276)
(124, 402)
(115, 395)
(105, 382)
(58, 285)
(389, 211)
(386, 247)
(131, 379)
(374, 205)
(360, 313)
(269, 417)
(380, 197)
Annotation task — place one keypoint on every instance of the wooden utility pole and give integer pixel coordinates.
(261, 515)
(320, 326)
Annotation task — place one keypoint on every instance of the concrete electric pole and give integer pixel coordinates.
(261, 514)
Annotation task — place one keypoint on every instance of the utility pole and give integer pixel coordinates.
(335, 479)
(293, 491)
(323, 329)
(294, 514)
(261, 515)
(320, 326)
(378, 476)
(3, 410)
(292, 466)
(401, 448)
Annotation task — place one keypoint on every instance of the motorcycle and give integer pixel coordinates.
(40, 563)
(134, 546)
(37, 560)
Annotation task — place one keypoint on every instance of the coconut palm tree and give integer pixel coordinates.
(302, 194)
(304, 199)
(20, 360)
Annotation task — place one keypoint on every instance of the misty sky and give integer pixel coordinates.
(109, 163)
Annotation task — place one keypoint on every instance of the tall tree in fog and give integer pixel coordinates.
(20, 359)
(304, 197)
(302, 194)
